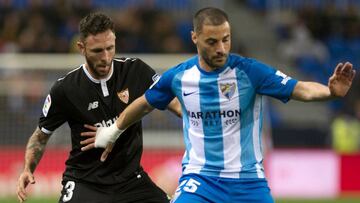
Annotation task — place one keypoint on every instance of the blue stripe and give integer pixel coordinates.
(213, 139)
(246, 99)
(177, 88)
(261, 118)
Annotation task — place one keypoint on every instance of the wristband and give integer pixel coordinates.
(106, 135)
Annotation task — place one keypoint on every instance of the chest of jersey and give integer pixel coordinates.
(215, 100)
(99, 103)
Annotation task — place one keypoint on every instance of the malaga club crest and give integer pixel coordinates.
(228, 89)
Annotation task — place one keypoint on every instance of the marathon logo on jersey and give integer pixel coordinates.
(93, 105)
(284, 76)
(47, 105)
(228, 89)
(124, 95)
(214, 118)
(214, 114)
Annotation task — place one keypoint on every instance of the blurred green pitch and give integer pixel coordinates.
(340, 200)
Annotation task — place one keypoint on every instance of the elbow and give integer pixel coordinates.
(304, 92)
(178, 113)
(147, 108)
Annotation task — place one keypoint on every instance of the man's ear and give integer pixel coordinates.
(81, 47)
(194, 37)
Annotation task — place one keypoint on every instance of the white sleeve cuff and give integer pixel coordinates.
(46, 131)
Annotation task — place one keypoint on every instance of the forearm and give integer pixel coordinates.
(134, 112)
(311, 91)
(35, 149)
(175, 107)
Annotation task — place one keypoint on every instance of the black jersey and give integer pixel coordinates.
(80, 99)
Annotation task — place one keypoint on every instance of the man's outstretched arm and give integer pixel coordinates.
(338, 85)
(134, 112)
(34, 150)
(104, 137)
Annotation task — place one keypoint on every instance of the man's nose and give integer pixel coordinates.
(106, 55)
(220, 48)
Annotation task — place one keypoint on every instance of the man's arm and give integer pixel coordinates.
(338, 85)
(104, 137)
(134, 112)
(175, 107)
(34, 150)
(310, 91)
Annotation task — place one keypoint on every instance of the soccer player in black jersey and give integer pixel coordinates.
(95, 93)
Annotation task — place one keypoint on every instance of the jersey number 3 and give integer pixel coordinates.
(69, 187)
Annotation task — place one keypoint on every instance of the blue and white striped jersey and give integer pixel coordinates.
(222, 113)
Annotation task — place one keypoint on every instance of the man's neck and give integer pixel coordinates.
(205, 66)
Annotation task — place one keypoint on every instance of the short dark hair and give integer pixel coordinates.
(95, 23)
(209, 16)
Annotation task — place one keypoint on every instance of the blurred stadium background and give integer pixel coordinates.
(312, 150)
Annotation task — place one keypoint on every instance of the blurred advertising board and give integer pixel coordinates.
(291, 173)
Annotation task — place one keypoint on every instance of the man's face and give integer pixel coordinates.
(213, 44)
(99, 51)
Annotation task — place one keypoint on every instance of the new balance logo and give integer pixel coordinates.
(93, 105)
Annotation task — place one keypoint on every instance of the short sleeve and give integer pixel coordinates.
(271, 82)
(160, 93)
(52, 115)
(146, 74)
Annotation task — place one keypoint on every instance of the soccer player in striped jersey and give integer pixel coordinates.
(221, 96)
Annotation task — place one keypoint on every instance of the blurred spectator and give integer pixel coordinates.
(302, 44)
(145, 30)
(163, 34)
(11, 26)
(22, 104)
(321, 36)
(308, 53)
(129, 29)
(51, 26)
(346, 132)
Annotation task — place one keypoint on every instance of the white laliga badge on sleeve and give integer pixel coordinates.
(47, 105)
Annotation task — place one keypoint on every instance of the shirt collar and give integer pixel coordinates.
(97, 80)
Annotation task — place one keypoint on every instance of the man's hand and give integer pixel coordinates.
(102, 137)
(89, 142)
(341, 80)
(25, 178)
(106, 152)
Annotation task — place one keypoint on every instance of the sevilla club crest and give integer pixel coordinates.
(124, 95)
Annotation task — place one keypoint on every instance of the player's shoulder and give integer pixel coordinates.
(129, 64)
(247, 64)
(67, 80)
(125, 60)
(128, 61)
(241, 62)
(70, 76)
